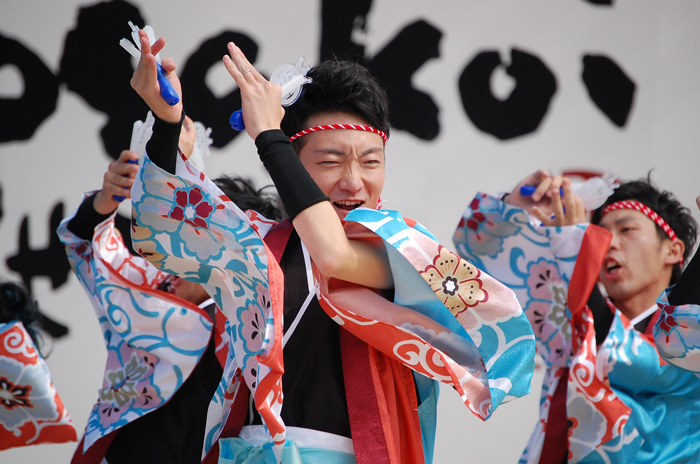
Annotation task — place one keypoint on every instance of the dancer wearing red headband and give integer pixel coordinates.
(677, 332)
(342, 319)
(607, 394)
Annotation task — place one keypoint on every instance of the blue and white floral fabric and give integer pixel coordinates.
(620, 394)
(677, 333)
(185, 225)
(154, 340)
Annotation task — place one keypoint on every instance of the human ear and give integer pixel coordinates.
(674, 252)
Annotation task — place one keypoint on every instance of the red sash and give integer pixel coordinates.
(593, 249)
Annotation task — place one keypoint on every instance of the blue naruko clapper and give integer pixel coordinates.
(528, 190)
(120, 198)
(236, 120)
(166, 89)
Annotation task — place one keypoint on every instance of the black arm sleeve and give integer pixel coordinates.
(296, 188)
(602, 315)
(86, 219)
(687, 289)
(162, 148)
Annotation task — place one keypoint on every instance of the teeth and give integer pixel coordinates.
(348, 203)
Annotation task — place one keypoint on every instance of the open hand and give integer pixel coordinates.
(260, 99)
(145, 80)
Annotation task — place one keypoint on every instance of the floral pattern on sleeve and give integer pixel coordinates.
(31, 412)
(464, 328)
(677, 333)
(510, 246)
(154, 340)
(186, 226)
(455, 282)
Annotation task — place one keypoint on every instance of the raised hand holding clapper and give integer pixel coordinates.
(166, 89)
(291, 77)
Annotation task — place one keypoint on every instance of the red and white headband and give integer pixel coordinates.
(648, 212)
(340, 126)
(644, 209)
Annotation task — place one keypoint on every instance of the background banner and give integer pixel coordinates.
(481, 94)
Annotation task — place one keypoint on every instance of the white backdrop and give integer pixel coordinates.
(655, 42)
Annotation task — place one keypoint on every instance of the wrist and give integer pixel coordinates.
(256, 131)
(170, 117)
(87, 218)
(102, 204)
(268, 137)
(174, 118)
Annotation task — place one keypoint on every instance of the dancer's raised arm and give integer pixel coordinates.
(340, 166)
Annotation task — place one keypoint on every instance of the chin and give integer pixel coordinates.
(618, 293)
(341, 213)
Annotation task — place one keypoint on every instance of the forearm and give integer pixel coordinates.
(296, 188)
(162, 148)
(86, 219)
(358, 261)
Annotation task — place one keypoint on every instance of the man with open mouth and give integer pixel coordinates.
(607, 394)
(342, 318)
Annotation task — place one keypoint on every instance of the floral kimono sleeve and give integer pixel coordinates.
(154, 340)
(107, 245)
(677, 333)
(184, 225)
(535, 262)
(31, 412)
(449, 320)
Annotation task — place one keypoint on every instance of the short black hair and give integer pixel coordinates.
(338, 86)
(665, 205)
(244, 194)
(16, 304)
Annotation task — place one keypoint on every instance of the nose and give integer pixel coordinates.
(615, 242)
(351, 181)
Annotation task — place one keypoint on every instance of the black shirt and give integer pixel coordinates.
(173, 433)
(312, 383)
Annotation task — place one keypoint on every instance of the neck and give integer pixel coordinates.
(640, 302)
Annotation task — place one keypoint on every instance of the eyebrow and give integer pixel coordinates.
(331, 151)
(626, 219)
(621, 220)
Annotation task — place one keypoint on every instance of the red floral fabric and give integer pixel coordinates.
(31, 412)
